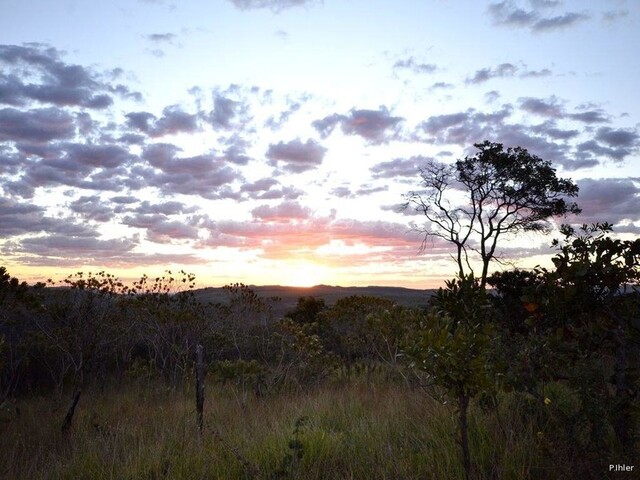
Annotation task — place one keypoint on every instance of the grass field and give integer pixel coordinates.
(351, 430)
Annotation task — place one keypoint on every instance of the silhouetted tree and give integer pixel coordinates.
(505, 191)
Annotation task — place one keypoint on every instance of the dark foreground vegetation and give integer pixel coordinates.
(536, 379)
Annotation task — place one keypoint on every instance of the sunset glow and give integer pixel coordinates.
(272, 141)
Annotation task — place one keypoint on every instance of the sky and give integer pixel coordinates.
(273, 141)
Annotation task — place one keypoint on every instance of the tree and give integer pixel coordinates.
(457, 347)
(502, 192)
(579, 323)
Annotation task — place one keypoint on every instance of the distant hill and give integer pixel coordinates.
(407, 297)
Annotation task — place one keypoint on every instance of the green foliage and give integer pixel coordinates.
(289, 463)
(456, 341)
(579, 323)
(307, 310)
(345, 326)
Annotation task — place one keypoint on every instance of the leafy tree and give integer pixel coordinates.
(600, 278)
(579, 323)
(307, 310)
(456, 346)
(478, 199)
(346, 331)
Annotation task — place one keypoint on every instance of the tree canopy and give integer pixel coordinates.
(476, 200)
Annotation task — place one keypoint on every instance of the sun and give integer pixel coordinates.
(304, 273)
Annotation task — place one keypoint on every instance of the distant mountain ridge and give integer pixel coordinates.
(289, 296)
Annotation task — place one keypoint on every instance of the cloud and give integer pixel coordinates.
(174, 120)
(25, 218)
(414, 66)
(51, 81)
(37, 125)
(552, 107)
(83, 249)
(161, 37)
(275, 5)
(511, 14)
(207, 175)
(545, 108)
(375, 126)
(285, 211)
(92, 208)
(399, 167)
(465, 128)
(274, 235)
(161, 229)
(612, 200)
(502, 70)
(616, 144)
(505, 70)
(295, 156)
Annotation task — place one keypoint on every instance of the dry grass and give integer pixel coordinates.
(351, 431)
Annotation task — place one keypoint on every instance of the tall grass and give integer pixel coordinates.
(351, 431)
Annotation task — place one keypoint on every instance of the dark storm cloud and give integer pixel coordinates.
(274, 5)
(37, 125)
(36, 73)
(375, 126)
(414, 66)
(295, 156)
(512, 14)
(610, 200)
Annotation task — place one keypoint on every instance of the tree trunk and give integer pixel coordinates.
(463, 406)
(66, 424)
(200, 387)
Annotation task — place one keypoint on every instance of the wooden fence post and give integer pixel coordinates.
(200, 386)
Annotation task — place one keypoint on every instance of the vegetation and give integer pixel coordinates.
(503, 192)
(537, 378)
